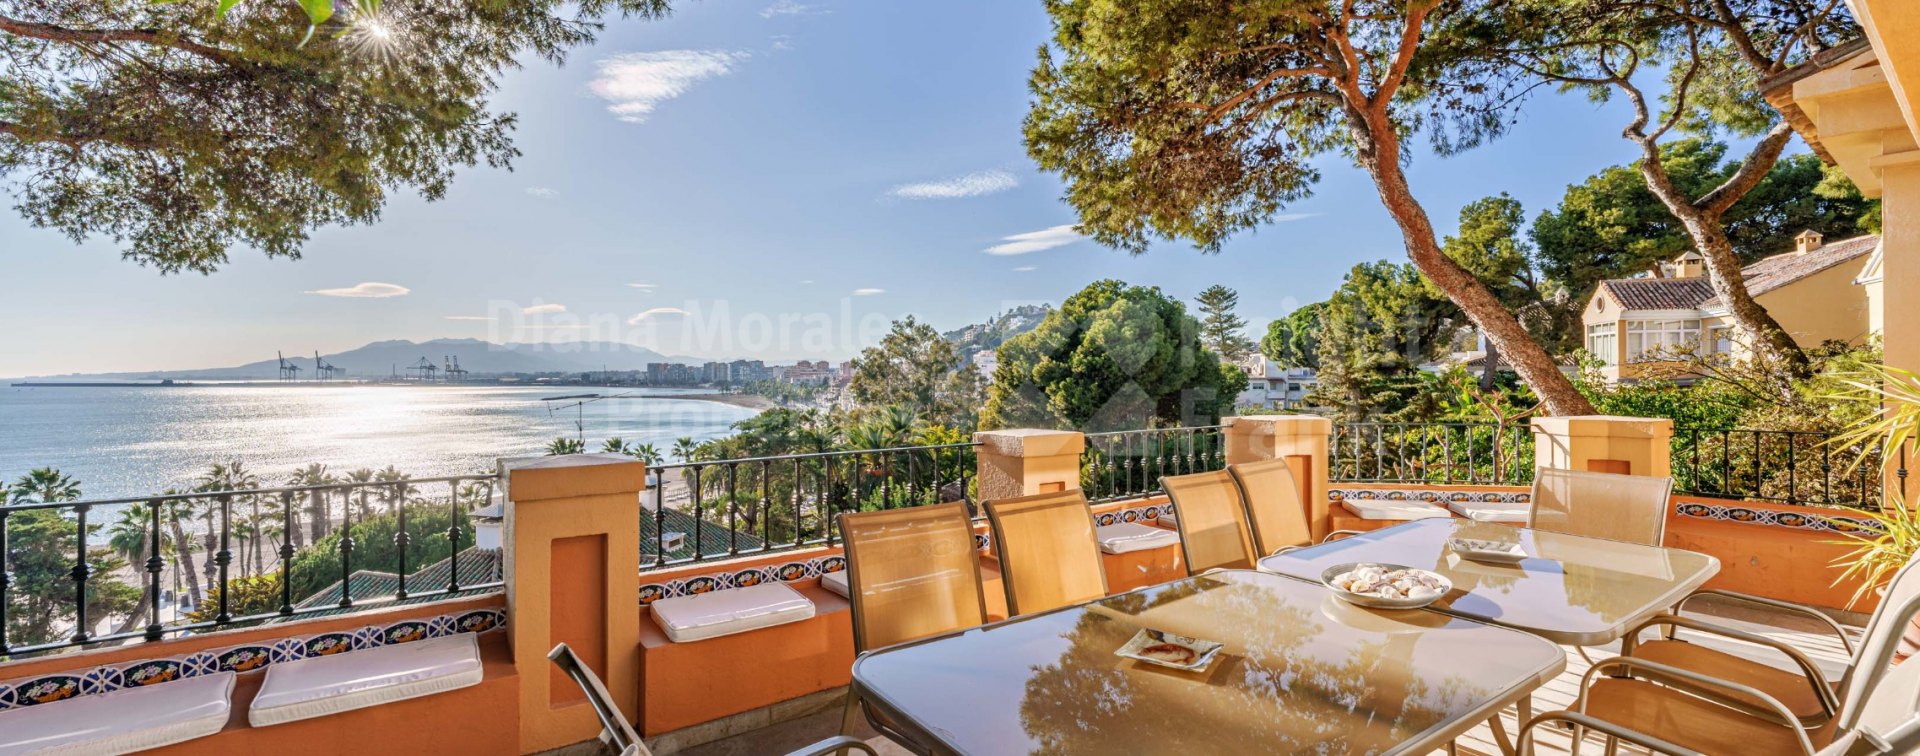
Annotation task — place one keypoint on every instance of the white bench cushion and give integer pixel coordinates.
(124, 721)
(1122, 537)
(1374, 509)
(836, 582)
(324, 685)
(734, 610)
(1490, 511)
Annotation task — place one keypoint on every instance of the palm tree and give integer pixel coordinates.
(232, 476)
(647, 453)
(129, 537)
(683, 448)
(564, 446)
(178, 510)
(46, 485)
(319, 519)
(615, 445)
(361, 476)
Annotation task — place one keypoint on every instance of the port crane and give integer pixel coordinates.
(323, 370)
(455, 373)
(288, 370)
(424, 371)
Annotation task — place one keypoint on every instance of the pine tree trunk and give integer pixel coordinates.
(1489, 366)
(1701, 218)
(1378, 148)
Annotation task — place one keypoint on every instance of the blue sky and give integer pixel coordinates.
(832, 164)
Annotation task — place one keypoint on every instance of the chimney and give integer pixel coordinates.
(1689, 265)
(1806, 241)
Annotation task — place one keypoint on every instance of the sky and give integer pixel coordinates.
(771, 179)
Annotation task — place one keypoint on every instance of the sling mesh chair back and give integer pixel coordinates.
(1275, 515)
(619, 734)
(1049, 556)
(1630, 508)
(911, 573)
(1212, 521)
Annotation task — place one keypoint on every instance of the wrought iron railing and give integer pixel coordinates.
(1129, 464)
(1787, 467)
(1448, 453)
(67, 568)
(703, 510)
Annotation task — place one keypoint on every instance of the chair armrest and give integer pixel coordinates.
(1711, 688)
(1838, 631)
(835, 744)
(1343, 534)
(1524, 742)
(1821, 688)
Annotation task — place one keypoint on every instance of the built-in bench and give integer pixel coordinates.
(703, 616)
(325, 685)
(121, 721)
(688, 683)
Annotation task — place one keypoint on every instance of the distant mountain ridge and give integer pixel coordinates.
(381, 359)
(980, 337)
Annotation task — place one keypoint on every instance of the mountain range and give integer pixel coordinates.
(381, 359)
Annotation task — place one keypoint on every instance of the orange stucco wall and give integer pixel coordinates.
(482, 719)
(1768, 560)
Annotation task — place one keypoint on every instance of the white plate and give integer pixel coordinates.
(1203, 650)
(1379, 602)
(1501, 552)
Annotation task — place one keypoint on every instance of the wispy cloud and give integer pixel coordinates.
(636, 83)
(1035, 241)
(643, 286)
(1026, 269)
(970, 185)
(1285, 217)
(487, 318)
(367, 290)
(791, 8)
(657, 312)
(868, 292)
(781, 41)
(543, 192)
(544, 309)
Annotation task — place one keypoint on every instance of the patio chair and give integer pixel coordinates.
(911, 573)
(617, 733)
(1807, 694)
(1674, 709)
(1212, 521)
(1630, 508)
(1275, 515)
(1049, 557)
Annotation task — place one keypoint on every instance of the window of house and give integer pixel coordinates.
(1651, 339)
(1720, 339)
(1601, 343)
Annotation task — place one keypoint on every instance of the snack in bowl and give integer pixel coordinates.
(1386, 585)
(1504, 552)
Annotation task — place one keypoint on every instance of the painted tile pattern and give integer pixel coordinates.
(246, 657)
(1429, 495)
(1774, 518)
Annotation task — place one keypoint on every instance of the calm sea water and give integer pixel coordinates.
(134, 441)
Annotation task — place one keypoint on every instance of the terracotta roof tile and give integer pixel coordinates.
(1659, 293)
(1780, 270)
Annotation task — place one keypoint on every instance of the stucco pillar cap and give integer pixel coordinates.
(1608, 426)
(573, 475)
(1279, 425)
(1031, 442)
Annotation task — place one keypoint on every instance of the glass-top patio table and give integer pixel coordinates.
(1300, 671)
(1572, 590)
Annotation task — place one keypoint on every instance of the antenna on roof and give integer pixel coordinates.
(579, 403)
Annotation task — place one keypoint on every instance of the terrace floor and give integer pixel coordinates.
(1800, 632)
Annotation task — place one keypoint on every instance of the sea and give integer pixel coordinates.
(140, 440)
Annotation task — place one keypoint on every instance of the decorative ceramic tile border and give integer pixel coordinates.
(1775, 518)
(245, 657)
(1134, 514)
(1429, 495)
(785, 572)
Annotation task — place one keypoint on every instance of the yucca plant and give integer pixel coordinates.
(1877, 555)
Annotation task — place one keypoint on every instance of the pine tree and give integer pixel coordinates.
(1220, 329)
